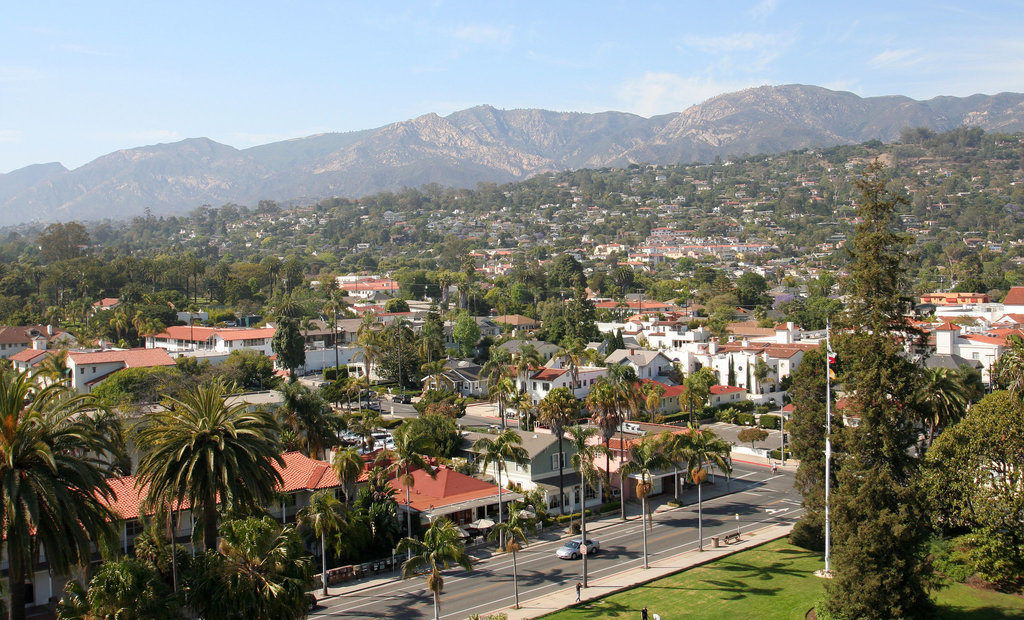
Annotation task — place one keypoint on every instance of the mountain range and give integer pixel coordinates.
(480, 144)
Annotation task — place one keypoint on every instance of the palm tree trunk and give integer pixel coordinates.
(583, 527)
(437, 607)
(408, 510)
(700, 520)
(210, 525)
(15, 590)
(561, 481)
(675, 490)
(643, 525)
(323, 559)
(622, 479)
(501, 535)
(515, 578)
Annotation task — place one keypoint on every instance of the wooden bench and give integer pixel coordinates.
(731, 538)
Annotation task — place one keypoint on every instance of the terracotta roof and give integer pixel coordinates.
(549, 374)
(515, 320)
(299, 473)
(27, 355)
(23, 334)
(670, 390)
(202, 334)
(725, 389)
(1015, 297)
(948, 327)
(132, 358)
(449, 487)
(985, 339)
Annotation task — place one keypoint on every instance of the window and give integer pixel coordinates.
(976, 355)
(546, 387)
(591, 492)
(133, 527)
(555, 459)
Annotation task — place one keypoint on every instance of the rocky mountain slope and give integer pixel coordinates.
(474, 145)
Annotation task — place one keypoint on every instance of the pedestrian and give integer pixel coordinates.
(579, 588)
(775, 467)
(643, 614)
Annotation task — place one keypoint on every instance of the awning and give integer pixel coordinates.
(490, 500)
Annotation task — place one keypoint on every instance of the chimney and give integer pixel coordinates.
(713, 346)
(49, 331)
(631, 351)
(945, 336)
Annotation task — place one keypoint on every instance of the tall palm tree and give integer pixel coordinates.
(348, 466)
(604, 414)
(440, 548)
(1008, 371)
(623, 379)
(582, 461)
(700, 447)
(332, 307)
(120, 322)
(698, 388)
(370, 340)
(941, 399)
(506, 447)
(54, 367)
(523, 404)
(310, 417)
(645, 457)
(364, 424)
(503, 390)
(511, 532)
(407, 455)
(559, 409)
(53, 480)
(201, 450)
(323, 515)
(526, 359)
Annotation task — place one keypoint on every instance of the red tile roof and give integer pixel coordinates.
(1015, 297)
(131, 358)
(450, 487)
(27, 355)
(948, 327)
(725, 389)
(550, 374)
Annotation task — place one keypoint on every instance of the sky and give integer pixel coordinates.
(79, 80)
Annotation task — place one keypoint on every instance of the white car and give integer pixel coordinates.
(571, 549)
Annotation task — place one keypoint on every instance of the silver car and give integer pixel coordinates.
(572, 549)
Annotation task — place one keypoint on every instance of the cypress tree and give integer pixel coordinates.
(879, 524)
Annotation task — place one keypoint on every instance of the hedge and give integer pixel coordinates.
(770, 422)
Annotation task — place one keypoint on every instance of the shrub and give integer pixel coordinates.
(746, 419)
(809, 533)
(744, 405)
(728, 415)
(777, 455)
(609, 506)
(771, 422)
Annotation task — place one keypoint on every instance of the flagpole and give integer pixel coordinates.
(828, 444)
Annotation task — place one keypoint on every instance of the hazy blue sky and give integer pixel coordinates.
(81, 79)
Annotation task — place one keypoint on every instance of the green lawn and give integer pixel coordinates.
(773, 581)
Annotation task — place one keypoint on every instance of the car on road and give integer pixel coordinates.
(405, 399)
(572, 549)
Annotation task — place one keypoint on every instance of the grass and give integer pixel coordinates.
(773, 581)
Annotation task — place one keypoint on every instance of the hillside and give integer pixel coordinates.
(480, 144)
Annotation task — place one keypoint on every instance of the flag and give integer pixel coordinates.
(831, 365)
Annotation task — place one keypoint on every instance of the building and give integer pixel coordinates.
(18, 338)
(87, 369)
(461, 498)
(223, 340)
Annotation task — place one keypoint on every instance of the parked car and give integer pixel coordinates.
(402, 398)
(571, 550)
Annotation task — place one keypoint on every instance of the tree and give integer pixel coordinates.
(940, 398)
(124, 588)
(203, 450)
(506, 447)
(1008, 370)
(700, 447)
(582, 460)
(503, 390)
(396, 305)
(623, 380)
(698, 389)
(440, 548)
(348, 466)
(973, 481)
(751, 289)
(511, 533)
(752, 435)
(604, 414)
(323, 515)
(407, 455)
(260, 571)
(466, 333)
(370, 340)
(53, 480)
(310, 418)
(289, 345)
(645, 457)
(559, 409)
(879, 522)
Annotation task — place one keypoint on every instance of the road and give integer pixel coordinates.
(755, 494)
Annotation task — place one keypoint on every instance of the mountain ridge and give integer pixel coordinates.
(479, 144)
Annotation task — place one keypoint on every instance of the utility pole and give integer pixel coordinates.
(828, 445)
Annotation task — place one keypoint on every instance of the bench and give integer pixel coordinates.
(731, 538)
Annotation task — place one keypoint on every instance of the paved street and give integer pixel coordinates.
(758, 497)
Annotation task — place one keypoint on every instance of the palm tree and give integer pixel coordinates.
(119, 321)
(364, 424)
(502, 390)
(559, 409)
(506, 446)
(348, 466)
(331, 309)
(582, 461)
(1008, 371)
(370, 340)
(54, 367)
(698, 388)
(703, 446)
(511, 532)
(53, 480)
(644, 457)
(941, 399)
(310, 417)
(623, 379)
(261, 571)
(324, 514)
(604, 414)
(125, 588)
(433, 374)
(440, 548)
(650, 396)
(202, 450)
(526, 359)
(407, 455)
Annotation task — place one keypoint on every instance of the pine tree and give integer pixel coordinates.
(879, 524)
